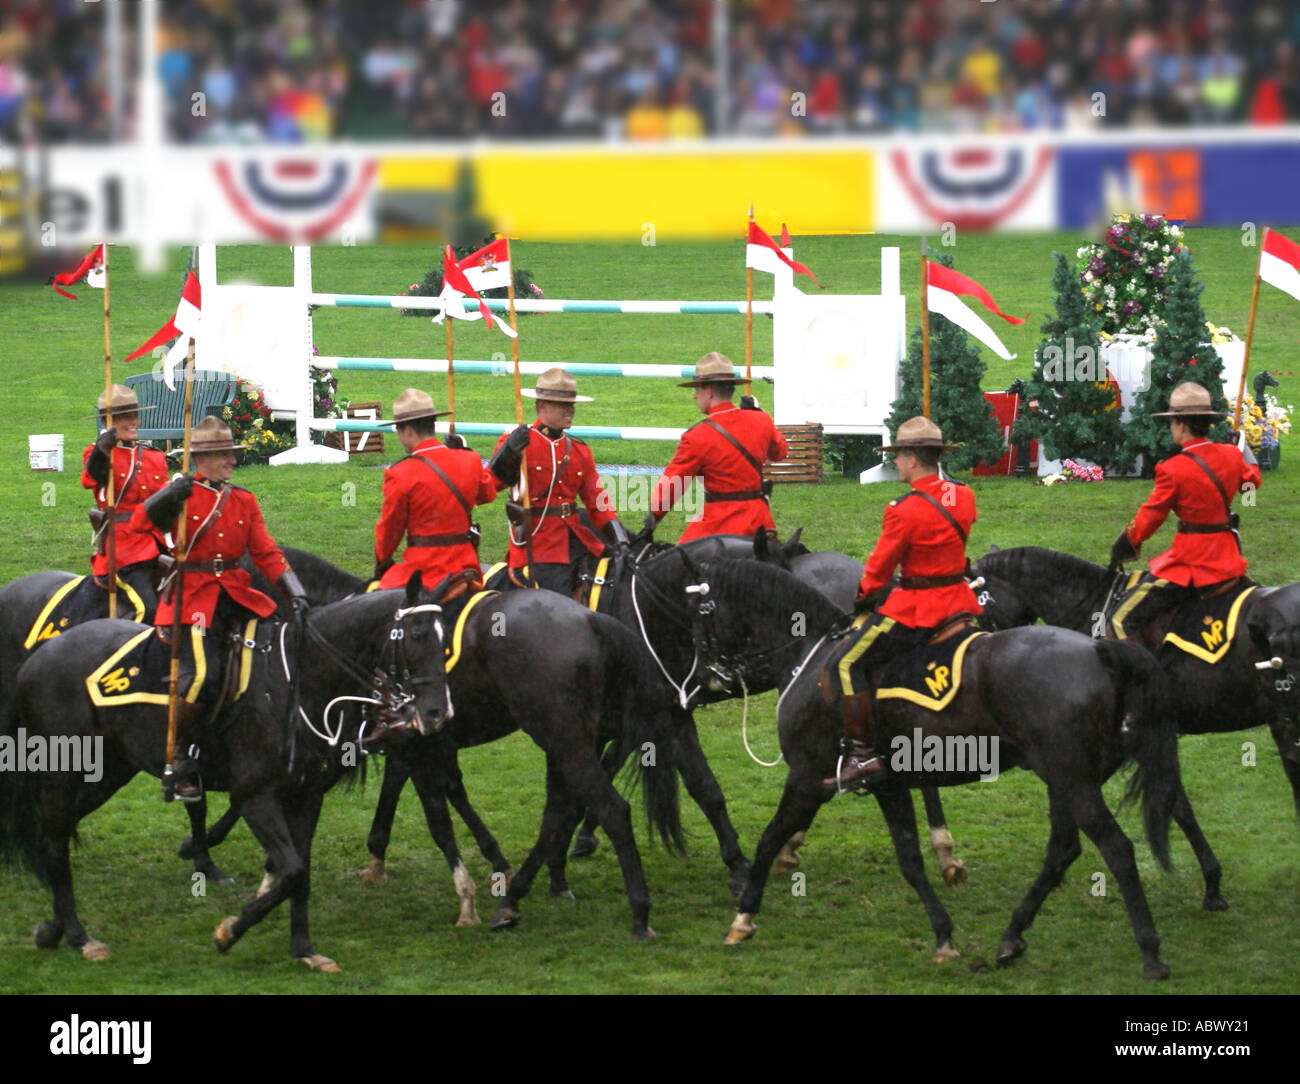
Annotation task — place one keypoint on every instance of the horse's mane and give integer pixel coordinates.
(329, 580)
(1022, 564)
(769, 593)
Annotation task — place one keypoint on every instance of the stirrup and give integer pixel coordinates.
(181, 786)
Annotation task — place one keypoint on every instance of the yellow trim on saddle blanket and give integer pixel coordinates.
(453, 652)
(246, 657)
(493, 570)
(1216, 637)
(597, 582)
(936, 684)
(43, 628)
(1129, 604)
(110, 688)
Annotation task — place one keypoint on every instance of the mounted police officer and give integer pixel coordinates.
(925, 532)
(137, 474)
(1197, 484)
(727, 449)
(429, 498)
(561, 472)
(223, 523)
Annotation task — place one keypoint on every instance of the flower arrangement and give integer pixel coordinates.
(325, 393)
(431, 284)
(250, 423)
(1074, 472)
(1264, 424)
(1123, 276)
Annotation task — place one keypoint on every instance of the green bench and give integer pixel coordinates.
(212, 391)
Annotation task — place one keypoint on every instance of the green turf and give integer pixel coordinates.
(857, 927)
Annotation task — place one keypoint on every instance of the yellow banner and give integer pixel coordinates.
(657, 195)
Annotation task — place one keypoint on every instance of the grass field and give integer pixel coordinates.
(857, 927)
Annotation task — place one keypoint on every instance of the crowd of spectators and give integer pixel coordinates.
(296, 70)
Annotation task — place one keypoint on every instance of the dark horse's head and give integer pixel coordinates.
(1263, 379)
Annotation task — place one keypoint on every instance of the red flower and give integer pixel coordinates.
(1192, 362)
(245, 417)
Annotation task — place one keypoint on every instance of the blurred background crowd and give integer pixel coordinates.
(302, 70)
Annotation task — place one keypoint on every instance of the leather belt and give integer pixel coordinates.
(1203, 528)
(562, 508)
(216, 566)
(438, 539)
(923, 583)
(121, 517)
(743, 495)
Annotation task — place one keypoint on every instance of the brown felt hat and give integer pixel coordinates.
(918, 432)
(212, 435)
(557, 386)
(1190, 400)
(413, 404)
(124, 402)
(713, 368)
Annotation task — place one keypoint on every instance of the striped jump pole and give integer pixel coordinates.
(495, 429)
(644, 308)
(534, 368)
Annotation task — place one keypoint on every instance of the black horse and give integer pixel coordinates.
(21, 604)
(1027, 583)
(1068, 709)
(573, 681)
(277, 749)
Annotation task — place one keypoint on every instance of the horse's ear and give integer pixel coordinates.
(993, 548)
(760, 545)
(413, 586)
(792, 546)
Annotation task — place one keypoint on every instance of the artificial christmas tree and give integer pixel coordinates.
(1077, 412)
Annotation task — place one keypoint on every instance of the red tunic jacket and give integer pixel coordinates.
(230, 532)
(132, 544)
(1183, 488)
(418, 502)
(705, 452)
(577, 480)
(917, 536)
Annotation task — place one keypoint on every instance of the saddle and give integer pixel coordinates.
(79, 600)
(930, 675)
(1204, 627)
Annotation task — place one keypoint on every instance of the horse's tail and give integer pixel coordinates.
(645, 730)
(1150, 737)
(21, 824)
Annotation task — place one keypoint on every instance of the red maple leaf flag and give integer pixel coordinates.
(764, 254)
(943, 284)
(456, 286)
(184, 324)
(489, 267)
(92, 269)
(1279, 263)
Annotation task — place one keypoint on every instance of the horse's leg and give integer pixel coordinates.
(900, 815)
(1209, 862)
(396, 772)
(795, 812)
(585, 842)
(266, 820)
(1286, 734)
(195, 845)
(214, 834)
(59, 818)
(1091, 814)
(304, 815)
(703, 788)
(953, 869)
(555, 814)
(430, 781)
(1062, 849)
(557, 864)
(486, 841)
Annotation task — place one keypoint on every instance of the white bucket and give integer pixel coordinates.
(45, 451)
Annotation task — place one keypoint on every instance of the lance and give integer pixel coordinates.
(449, 256)
(524, 495)
(178, 582)
(749, 311)
(110, 543)
(1250, 332)
(925, 332)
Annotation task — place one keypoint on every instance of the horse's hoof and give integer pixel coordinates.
(1010, 949)
(218, 876)
(562, 894)
(97, 950)
(955, 874)
(225, 936)
(944, 953)
(1214, 902)
(646, 934)
(48, 933)
(783, 866)
(469, 920)
(506, 918)
(374, 873)
(1155, 971)
(317, 962)
(584, 846)
(742, 929)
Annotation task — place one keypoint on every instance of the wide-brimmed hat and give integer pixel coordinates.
(124, 402)
(1190, 400)
(557, 386)
(713, 368)
(413, 404)
(918, 432)
(212, 435)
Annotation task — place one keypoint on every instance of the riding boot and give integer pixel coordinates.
(858, 765)
(181, 780)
